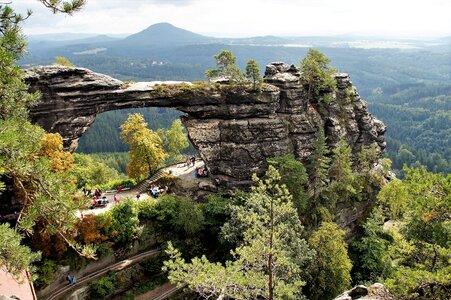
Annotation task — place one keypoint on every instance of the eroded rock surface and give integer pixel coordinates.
(234, 129)
(376, 291)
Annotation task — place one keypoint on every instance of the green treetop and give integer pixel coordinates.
(253, 74)
(226, 67)
(177, 139)
(319, 166)
(269, 262)
(146, 147)
(331, 272)
(318, 76)
(344, 186)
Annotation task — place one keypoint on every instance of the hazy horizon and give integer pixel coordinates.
(284, 18)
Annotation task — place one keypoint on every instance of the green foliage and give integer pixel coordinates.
(395, 198)
(179, 214)
(112, 185)
(295, 177)
(271, 239)
(175, 139)
(318, 76)
(429, 207)
(225, 67)
(146, 147)
(45, 272)
(124, 223)
(344, 186)
(421, 249)
(63, 61)
(372, 171)
(420, 284)
(153, 265)
(370, 252)
(104, 134)
(319, 167)
(331, 271)
(14, 257)
(419, 119)
(114, 160)
(91, 172)
(103, 287)
(253, 74)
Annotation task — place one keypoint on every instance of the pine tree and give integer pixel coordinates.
(318, 76)
(344, 186)
(46, 197)
(319, 167)
(253, 74)
(226, 67)
(268, 264)
(331, 273)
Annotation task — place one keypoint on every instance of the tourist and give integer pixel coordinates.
(116, 199)
(138, 196)
(74, 281)
(68, 278)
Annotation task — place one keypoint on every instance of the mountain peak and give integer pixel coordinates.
(164, 34)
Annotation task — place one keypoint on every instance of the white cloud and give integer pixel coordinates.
(250, 17)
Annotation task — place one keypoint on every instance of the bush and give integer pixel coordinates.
(45, 273)
(146, 209)
(112, 185)
(103, 287)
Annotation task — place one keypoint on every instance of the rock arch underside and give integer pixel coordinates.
(233, 129)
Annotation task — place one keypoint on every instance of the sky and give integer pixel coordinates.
(244, 18)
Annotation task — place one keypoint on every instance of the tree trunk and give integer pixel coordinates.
(270, 274)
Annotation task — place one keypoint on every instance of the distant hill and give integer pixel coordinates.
(163, 35)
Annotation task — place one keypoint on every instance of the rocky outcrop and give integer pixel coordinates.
(376, 291)
(234, 129)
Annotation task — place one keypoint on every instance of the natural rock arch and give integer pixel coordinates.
(233, 129)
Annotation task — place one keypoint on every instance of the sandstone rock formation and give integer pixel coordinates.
(376, 291)
(234, 129)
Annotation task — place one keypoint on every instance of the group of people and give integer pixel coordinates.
(100, 201)
(201, 171)
(71, 279)
(97, 192)
(156, 190)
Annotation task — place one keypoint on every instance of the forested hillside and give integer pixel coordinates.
(419, 119)
(104, 135)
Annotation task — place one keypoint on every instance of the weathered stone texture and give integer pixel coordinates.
(235, 130)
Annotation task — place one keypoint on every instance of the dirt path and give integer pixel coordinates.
(186, 174)
(60, 292)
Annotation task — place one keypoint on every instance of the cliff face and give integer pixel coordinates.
(234, 129)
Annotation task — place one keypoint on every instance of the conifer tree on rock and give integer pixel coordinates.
(269, 262)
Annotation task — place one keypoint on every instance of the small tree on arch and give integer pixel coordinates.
(253, 74)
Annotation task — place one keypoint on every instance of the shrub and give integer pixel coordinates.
(103, 287)
(45, 273)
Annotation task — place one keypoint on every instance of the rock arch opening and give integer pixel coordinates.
(234, 129)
